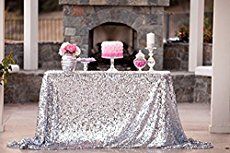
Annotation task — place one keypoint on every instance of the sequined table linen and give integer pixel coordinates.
(108, 110)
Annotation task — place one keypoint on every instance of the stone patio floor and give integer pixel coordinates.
(20, 122)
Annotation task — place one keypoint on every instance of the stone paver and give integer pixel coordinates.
(20, 122)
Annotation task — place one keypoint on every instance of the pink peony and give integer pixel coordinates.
(71, 48)
(67, 48)
(78, 51)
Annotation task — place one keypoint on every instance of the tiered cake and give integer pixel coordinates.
(112, 49)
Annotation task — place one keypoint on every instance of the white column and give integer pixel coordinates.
(220, 105)
(196, 34)
(2, 28)
(30, 34)
(2, 50)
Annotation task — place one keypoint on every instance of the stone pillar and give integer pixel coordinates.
(2, 22)
(30, 34)
(196, 34)
(220, 105)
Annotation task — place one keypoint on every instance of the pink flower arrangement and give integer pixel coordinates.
(69, 49)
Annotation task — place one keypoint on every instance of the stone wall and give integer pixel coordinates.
(183, 83)
(24, 86)
(207, 54)
(48, 54)
(202, 89)
(116, 2)
(17, 49)
(176, 56)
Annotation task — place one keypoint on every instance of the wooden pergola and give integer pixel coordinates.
(220, 105)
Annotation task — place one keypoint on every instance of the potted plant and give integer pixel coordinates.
(5, 67)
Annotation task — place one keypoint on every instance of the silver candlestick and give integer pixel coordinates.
(151, 60)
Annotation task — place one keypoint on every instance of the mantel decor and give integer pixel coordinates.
(69, 52)
(82, 18)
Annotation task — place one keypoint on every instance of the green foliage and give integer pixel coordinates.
(183, 33)
(207, 30)
(49, 5)
(16, 6)
(177, 2)
(5, 66)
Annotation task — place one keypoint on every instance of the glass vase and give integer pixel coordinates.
(68, 63)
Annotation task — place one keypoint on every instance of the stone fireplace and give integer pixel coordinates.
(89, 22)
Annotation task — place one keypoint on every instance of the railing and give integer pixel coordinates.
(14, 29)
(50, 29)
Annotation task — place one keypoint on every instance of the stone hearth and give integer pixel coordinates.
(81, 17)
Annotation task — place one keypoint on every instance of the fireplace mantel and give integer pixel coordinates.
(116, 2)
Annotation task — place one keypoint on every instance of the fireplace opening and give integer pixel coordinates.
(111, 32)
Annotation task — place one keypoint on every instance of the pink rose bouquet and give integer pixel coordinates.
(70, 49)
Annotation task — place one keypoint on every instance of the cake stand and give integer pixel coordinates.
(85, 62)
(112, 66)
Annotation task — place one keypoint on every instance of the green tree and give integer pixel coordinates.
(16, 6)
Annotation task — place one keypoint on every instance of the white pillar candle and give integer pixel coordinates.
(150, 40)
(15, 68)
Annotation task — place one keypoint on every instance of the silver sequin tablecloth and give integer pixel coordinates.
(108, 110)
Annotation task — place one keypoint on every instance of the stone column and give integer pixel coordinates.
(196, 34)
(2, 22)
(30, 34)
(220, 105)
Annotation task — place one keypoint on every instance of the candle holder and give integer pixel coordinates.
(151, 60)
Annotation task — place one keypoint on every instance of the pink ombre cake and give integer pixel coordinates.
(112, 49)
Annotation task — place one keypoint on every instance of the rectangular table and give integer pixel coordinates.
(108, 110)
